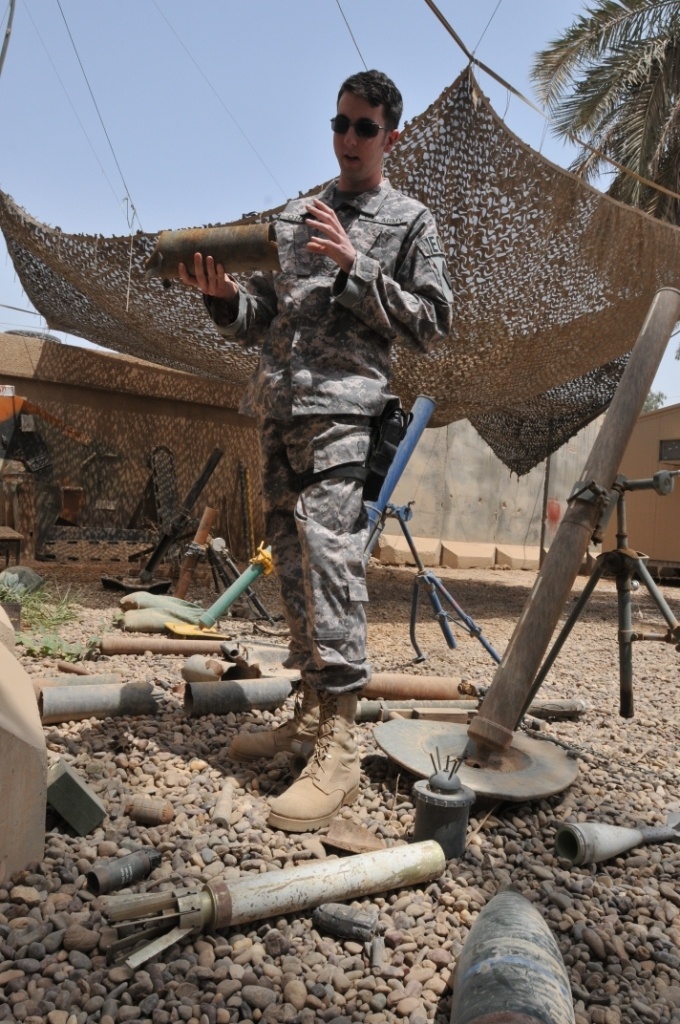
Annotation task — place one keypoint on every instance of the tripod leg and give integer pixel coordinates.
(658, 598)
(469, 623)
(414, 614)
(623, 590)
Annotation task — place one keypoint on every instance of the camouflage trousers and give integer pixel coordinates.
(317, 535)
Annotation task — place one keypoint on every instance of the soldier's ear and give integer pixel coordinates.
(390, 139)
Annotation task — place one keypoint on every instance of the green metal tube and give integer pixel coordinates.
(225, 600)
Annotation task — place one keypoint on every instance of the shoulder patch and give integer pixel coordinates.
(431, 246)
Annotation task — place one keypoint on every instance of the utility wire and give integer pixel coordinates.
(8, 33)
(487, 25)
(75, 112)
(352, 33)
(132, 213)
(18, 309)
(219, 99)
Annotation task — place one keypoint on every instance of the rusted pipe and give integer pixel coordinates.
(511, 688)
(240, 248)
(401, 686)
(194, 552)
(74, 703)
(113, 643)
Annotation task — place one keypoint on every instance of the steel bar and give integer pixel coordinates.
(493, 728)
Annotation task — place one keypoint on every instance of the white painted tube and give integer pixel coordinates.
(333, 880)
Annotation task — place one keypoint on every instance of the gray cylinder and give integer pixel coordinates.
(233, 695)
(75, 703)
(510, 969)
(442, 816)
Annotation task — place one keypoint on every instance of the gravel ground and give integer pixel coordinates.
(617, 924)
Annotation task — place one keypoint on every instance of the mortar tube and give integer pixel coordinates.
(308, 885)
(115, 643)
(225, 600)
(74, 703)
(590, 842)
(229, 696)
(511, 969)
(511, 688)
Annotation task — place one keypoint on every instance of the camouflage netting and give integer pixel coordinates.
(552, 283)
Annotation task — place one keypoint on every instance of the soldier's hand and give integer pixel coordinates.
(209, 277)
(335, 243)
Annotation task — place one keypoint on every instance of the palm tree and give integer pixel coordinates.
(612, 80)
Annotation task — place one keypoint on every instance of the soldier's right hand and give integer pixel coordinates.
(209, 277)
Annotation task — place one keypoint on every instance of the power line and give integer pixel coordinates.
(18, 309)
(487, 25)
(131, 219)
(219, 99)
(352, 33)
(71, 104)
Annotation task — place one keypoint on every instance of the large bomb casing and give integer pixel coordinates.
(510, 969)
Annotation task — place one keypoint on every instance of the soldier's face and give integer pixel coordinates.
(360, 159)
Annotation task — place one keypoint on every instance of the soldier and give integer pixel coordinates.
(361, 266)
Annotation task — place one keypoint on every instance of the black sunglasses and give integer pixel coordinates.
(364, 127)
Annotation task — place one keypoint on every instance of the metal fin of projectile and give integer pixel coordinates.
(157, 946)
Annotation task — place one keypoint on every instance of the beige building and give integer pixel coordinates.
(653, 520)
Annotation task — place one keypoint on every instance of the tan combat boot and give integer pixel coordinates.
(297, 736)
(331, 777)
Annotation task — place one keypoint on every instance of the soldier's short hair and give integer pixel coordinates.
(377, 89)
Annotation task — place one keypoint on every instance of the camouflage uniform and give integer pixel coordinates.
(324, 373)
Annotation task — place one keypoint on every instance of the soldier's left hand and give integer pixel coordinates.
(336, 243)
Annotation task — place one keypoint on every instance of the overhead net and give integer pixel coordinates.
(552, 281)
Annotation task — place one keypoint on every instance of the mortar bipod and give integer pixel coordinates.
(624, 564)
(427, 580)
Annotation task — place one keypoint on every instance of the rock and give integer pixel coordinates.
(258, 997)
(83, 939)
(295, 993)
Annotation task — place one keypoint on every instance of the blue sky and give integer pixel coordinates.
(193, 114)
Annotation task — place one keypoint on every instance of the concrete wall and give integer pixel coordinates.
(463, 492)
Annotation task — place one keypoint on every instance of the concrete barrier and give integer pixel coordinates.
(395, 550)
(459, 554)
(517, 556)
(23, 770)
